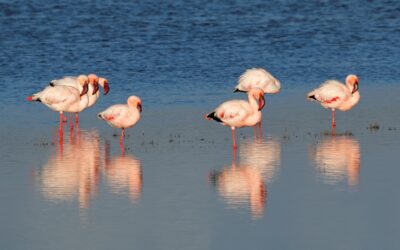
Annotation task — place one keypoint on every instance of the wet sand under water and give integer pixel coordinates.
(177, 186)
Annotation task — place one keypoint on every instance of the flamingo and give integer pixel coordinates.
(123, 115)
(335, 95)
(62, 98)
(240, 113)
(95, 81)
(73, 81)
(258, 78)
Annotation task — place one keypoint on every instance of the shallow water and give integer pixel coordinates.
(176, 183)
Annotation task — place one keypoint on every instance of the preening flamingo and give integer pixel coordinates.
(240, 113)
(258, 78)
(335, 95)
(123, 115)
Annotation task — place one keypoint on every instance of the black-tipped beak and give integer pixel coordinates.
(139, 106)
(238, 90)
(106, 88)
(261, 103)
(355, 89)
(95, 88)
(85, 89)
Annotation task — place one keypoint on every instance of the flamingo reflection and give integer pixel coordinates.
(337, 157)
(124, 173)
(73, 170)
(245, 183)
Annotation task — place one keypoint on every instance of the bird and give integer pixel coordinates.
(123, 115)
(240, 113)
(334, 95)
(95, 81)
(73, 81)
(258, 78)
(62, 98)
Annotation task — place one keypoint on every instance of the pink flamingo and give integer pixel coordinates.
(335, 95)
(73, 81)
(62, 98)
(123, 115)
(258, 78)
(240, 113)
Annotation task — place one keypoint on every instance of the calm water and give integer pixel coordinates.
(175, 184)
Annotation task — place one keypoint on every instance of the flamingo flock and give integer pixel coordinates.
(75, 94)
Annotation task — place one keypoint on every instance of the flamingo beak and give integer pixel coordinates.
(85, 89)
(106, 88)
(95, 88)
(355, 89)
(139, 106)
(261, 102)
(238, 90)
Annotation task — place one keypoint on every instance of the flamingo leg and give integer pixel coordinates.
(234, 138)
(76, 117)
(71, 126)
(259, 129)
(333, 119)
(61, 124)
(121, 141)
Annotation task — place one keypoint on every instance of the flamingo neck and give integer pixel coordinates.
(253, 102)
(350, 102)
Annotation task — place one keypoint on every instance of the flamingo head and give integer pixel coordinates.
(258, 94)
(134, 101)
(94, 81)
(352, 81)
(104, 83)
(83, 81)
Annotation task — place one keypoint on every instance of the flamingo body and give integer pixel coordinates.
(334, 95)
(258, 78)
(240, 113)
(123, 115)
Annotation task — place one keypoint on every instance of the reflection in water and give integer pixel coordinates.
(124, 173)
(244, 184)
(337, 157)
(73, 170)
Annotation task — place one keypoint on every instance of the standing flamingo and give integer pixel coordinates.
(335, 95)
(123, 115)
(73, 81)
(62, 98)
(258, 78)
(240, 113)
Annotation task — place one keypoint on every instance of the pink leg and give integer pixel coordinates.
(76, 117)
(61, 123)
(64, 118)
(121, 141)
(260, 129)
(234, 138)
(333, 119)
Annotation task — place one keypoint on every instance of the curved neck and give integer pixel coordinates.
(253, 101)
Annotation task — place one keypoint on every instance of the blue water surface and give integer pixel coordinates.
(173, 52)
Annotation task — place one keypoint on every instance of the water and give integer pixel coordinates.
(175, 184)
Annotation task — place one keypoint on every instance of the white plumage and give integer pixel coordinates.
(258, 78)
